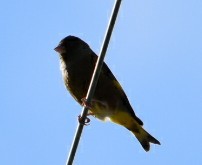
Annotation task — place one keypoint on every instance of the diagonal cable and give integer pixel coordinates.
(93, 82)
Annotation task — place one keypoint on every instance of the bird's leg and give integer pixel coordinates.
(88, 106)
(85, 104)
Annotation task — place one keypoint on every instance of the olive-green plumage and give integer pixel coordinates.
(109, 100)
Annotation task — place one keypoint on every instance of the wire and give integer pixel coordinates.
(93, 82)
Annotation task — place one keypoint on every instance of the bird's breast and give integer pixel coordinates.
(63, 69)
(76, 79)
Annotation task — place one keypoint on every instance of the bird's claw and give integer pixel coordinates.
(82, 121)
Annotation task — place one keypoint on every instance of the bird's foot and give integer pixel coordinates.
(85, 104)
(82, 121)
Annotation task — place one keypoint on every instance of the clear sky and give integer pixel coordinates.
(156, 54)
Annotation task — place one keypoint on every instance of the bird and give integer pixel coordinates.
(109, 102)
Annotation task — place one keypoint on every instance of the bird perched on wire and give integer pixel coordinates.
(77, 62)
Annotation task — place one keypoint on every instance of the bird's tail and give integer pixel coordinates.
(144, 137)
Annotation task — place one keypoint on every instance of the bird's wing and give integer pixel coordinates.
(108, 75)
(107, 72)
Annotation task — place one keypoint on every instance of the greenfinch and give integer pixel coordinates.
(77, 63)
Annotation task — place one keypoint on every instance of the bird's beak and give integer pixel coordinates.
(60, 49)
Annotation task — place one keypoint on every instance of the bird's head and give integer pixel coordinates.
(71, 45)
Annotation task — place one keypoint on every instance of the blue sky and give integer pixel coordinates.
(156, 54)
